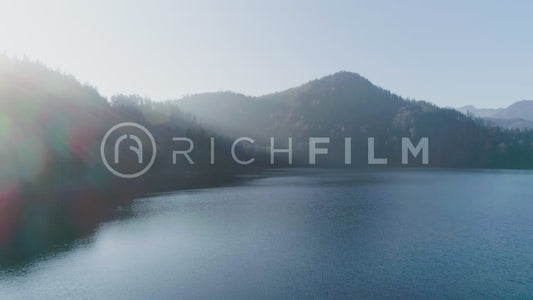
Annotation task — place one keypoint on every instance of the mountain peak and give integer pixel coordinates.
(344, 77)
(516, 115)
(346, 74)
(521, 103)
(518, 110)
(340, 81)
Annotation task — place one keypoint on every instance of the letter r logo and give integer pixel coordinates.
(140, 142)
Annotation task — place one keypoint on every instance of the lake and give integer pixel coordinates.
(306, 233)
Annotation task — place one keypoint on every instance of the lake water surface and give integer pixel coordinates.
(303, 233)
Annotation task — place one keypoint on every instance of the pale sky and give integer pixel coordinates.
(451, 54)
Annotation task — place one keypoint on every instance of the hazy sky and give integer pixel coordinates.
(451, 54)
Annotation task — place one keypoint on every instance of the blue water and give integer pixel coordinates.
(307, 233)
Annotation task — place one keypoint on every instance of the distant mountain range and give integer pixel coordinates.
(517, 115)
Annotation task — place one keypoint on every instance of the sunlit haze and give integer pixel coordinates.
(451, 54)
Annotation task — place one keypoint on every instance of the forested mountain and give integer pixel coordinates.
(54, 186)
(347, 105)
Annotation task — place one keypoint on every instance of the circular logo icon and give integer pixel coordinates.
(127, 141)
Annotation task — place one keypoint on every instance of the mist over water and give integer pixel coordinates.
(298, 233)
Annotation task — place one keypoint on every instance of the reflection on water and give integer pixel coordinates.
(325, 233)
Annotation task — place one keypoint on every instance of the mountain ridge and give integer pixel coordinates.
(517, 115)
(345, 104)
